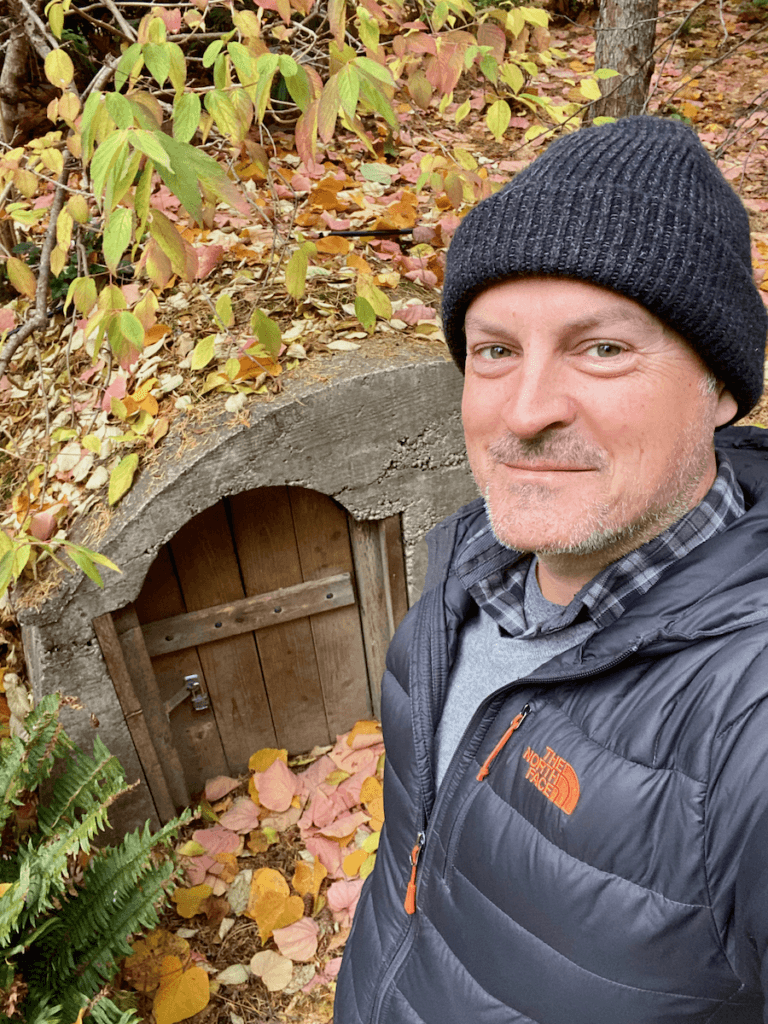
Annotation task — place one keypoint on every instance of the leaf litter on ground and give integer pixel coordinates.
(269, 886)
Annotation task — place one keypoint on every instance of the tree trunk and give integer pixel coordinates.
(625, 33)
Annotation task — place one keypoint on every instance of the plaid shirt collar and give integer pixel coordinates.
(495, 576)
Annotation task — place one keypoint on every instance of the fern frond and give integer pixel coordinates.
(25, 764)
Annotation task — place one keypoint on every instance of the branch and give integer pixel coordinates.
(115, 11)
(47, 43)
(40, 318)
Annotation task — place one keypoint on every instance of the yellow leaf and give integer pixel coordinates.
(4, 887)
(269, 903)
(143, 969)
(59, 69)
(121, 477)
(231, 867)
(188, 901)
(191, 849)
(368, 727)
(590, 89)
(371, 843)
(202, 352)
(21, 277)
(181, 994)
(263, 758)
(141, 392)
(353, 862)
(307, 878)
(368, 865)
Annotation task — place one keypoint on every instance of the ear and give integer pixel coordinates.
(727, 406)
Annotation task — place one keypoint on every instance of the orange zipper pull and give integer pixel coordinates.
(410, 894)
(515, 724)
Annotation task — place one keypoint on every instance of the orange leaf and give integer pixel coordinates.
(155, 333)
(357, 261)
(181, 994)
(231, 866)
(188, 901)
(334, 245)
(307, 878)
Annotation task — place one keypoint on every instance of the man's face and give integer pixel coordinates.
(589, 425)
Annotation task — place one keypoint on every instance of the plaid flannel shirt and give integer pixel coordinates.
(495, 575)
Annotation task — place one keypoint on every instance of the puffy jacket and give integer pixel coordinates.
(611, 867)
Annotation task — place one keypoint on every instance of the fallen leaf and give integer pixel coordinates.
(142, 970)
(181, 994)
(243, 816)
(262, 759)
(342, 899)
(218, 840)
(217, 788)
(188, 901)
(273, 969)
(235, 974)
(298, 941)
(353, 862)
(276, 786)
(307, 878)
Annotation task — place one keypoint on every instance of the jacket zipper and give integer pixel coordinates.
(514, 725)
(410, 894)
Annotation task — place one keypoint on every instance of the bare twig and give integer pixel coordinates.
(101, 78)
(44, 399)
(41, 27)
(40, 317)
(722, 22)
(129, 31)
(672, 40)
(103, 24)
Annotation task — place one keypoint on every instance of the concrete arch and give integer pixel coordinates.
(379, 436)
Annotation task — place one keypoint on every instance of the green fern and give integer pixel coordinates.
(60, 935)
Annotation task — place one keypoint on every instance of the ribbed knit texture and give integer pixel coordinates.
(637, 206)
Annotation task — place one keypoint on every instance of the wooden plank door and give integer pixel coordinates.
(256, 596)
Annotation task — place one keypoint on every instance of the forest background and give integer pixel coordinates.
(201, 200)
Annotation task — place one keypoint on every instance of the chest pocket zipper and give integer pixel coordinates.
(514, 725)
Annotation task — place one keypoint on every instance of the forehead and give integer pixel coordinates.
(571, 305)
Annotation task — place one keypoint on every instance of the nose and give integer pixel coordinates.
(538, 399)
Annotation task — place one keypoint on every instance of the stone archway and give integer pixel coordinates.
(382, 438)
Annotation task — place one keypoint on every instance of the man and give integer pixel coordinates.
(576, 711)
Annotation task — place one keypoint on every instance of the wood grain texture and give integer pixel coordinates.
(322, 537)
(140, 670)
(209, 574)
(195, 734)
(248, 614)
(373, 587)
(109, 642)
(398, 583)
(269, 559)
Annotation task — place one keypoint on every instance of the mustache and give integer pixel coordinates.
(562, 449)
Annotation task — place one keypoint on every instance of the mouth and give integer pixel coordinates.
(547, 467)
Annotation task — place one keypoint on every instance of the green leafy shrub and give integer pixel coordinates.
(64, 926)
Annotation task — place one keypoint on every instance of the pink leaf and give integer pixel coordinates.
(7, 319)
(242, 816)
(342, 899)
(208, 257)
(345, 825)
(216, 788)
(298, 941)
(117, 389)
(276, 786)
(318, 772)
(282, 820)
(43, 525)
(218, 839)
(412, 315)
(354, 760)
(327, 852)
(332, 967)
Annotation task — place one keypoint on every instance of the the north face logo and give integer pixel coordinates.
(553, 777)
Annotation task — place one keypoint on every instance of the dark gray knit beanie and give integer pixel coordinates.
(637, 206)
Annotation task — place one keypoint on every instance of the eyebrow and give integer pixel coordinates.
(585, 323)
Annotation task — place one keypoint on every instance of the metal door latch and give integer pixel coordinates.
(193, 690)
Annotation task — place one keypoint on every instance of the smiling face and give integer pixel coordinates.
(589, 424)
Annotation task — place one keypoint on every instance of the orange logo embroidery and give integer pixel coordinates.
(553, 777)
